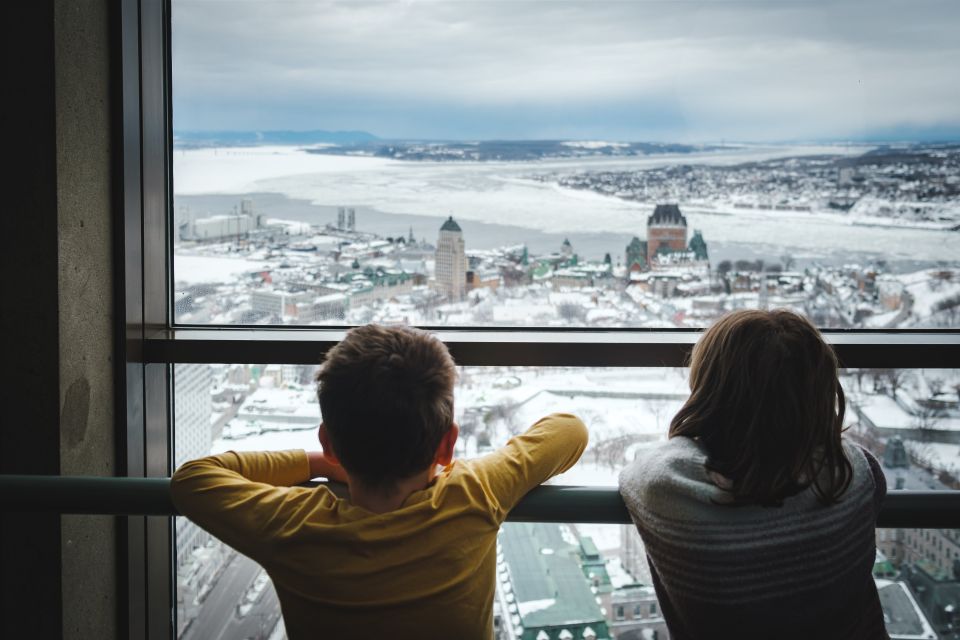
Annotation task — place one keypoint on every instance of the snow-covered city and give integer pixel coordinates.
(910, 418)
(243, 265)
(862, 238)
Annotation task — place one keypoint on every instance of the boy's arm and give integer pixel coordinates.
(239, 496)
(551, 446)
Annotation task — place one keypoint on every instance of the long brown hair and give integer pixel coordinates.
(766, 404)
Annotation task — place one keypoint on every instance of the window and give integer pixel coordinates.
(175, 235)
(301, 198)
(620, 614)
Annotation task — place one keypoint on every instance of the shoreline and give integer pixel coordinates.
(480, 236)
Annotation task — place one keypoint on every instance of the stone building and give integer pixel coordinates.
(451, 261)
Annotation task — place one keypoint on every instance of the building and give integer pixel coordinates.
(483, 279)
(636, 255)
(542, 590)
(666, 231)
(698, 247)
(904, 618)
(635, 614)
(278, 302)
(218, 227)
(937, 592)
(451, 261)
(193, 384)
(332, 306)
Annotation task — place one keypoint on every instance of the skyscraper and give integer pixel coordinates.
(451, 264)
(192, 385)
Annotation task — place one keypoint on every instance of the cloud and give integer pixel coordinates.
(685, 70)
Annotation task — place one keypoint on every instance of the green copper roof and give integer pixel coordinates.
(548, 584)
(450, 225)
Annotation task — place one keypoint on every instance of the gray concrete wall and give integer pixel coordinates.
(87, 421)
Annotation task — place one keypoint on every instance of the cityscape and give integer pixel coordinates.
(909, 418)
(244, 265)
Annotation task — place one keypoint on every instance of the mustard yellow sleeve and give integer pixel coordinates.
(240, 497)
(551, 446)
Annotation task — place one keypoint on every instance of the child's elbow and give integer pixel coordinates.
(574, 429)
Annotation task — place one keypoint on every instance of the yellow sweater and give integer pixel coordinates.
(425, 570)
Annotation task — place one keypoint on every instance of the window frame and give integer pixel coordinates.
(149, 342)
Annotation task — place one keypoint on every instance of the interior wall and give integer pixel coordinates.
(89, 543)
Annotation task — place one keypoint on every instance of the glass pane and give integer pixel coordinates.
(611, 164)
(909, 418)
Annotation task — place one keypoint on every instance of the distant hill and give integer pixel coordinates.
(507, 150)
(244, 138)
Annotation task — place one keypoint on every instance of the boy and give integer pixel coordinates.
(412, 552)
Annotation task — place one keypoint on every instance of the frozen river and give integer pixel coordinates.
(497, 204)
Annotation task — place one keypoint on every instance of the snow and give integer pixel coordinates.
(884, 412)
(927, 290)
(530, 606)
(939, 455)
(241, 169)
(593, 144)
(619, 577)
(190, 270)
(503, 193)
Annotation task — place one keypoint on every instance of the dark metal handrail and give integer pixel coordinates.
(151, 497)
(567, 347)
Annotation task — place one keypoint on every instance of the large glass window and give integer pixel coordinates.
(536, 164)
(599, 164)
(908, 418)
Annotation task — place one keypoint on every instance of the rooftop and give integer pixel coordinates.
(548, 584)
(450, 225)
(667, 214)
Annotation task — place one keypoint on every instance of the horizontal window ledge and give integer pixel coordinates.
(517, 347)
(151, 497)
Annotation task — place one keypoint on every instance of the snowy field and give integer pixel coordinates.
(503, 193)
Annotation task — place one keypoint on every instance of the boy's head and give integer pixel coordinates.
(766, 403)
(386, 397)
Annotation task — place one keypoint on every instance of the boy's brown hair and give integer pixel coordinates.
(766, 404)
(386, 397)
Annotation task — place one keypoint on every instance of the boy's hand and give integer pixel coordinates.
(322, 466)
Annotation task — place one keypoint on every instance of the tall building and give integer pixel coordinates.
(666, 231)
(451, 261)
(193, 407)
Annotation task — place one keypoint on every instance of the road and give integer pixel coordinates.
(218, 618)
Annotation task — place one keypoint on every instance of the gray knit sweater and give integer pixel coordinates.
(801, 570)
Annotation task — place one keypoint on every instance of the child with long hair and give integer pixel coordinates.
(757, 516)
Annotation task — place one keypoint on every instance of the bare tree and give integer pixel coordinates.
(571, 312)
(927, 419)
(505, 411)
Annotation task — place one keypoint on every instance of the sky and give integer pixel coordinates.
(667, 70)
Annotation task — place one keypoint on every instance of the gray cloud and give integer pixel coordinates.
(687, 70)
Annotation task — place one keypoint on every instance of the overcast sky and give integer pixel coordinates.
(629, 70)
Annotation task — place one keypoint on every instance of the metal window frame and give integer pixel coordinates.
(149, 342)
